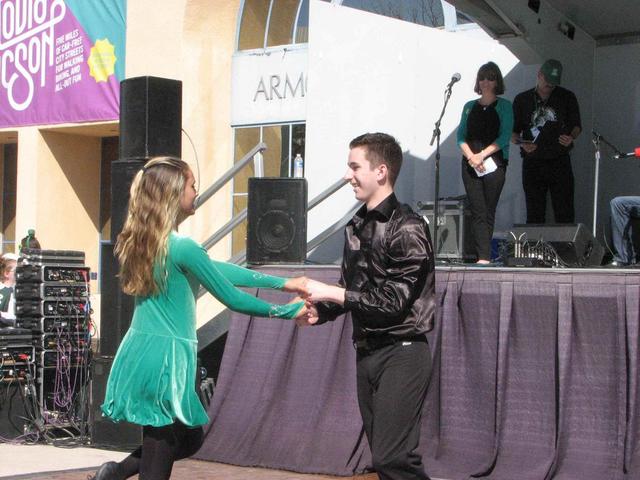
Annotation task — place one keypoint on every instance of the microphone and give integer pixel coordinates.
(436, 131)
(454, 78)
(635, 153)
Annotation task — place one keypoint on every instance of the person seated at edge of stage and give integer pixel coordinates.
(483, 136)
(623, 209)
(8, 262)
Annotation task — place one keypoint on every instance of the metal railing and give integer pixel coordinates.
(326, 193)
(225, 230)
(336, 227)
(229, 174)
(254, 154)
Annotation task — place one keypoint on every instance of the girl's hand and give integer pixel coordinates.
(297, 285)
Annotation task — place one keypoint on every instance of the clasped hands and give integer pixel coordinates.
(312, 291)
(476, 161)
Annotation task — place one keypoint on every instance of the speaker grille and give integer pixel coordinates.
(276, 231)
(277, 220)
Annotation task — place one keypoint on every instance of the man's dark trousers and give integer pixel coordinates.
(392, 386)
(549, 175)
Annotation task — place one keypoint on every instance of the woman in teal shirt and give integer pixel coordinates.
(483, 136)
(152, 379)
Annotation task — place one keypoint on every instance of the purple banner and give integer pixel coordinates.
(60, 61)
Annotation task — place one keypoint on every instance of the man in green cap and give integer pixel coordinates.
(546, 123)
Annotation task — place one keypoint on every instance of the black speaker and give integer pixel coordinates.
(122, 173)
(150, 117)
(574, 243)
(13, 417)
(277, 220)
(104, 432)
(116, 308)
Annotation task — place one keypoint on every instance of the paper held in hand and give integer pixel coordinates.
(489, 167)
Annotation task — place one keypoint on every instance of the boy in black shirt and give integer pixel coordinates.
(388, 286)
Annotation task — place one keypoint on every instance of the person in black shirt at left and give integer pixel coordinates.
(387, 284)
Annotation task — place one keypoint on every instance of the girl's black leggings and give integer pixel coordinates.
(161, 446)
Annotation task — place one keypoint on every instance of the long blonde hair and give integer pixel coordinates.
(154, 206)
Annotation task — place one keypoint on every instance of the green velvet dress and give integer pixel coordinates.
(152, 380)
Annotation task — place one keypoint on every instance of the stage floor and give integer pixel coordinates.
(200, 470)
(39, 462)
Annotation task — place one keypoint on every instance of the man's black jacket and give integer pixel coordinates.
(388, 273)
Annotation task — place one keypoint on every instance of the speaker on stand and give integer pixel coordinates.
(150, 126)
(277, 221)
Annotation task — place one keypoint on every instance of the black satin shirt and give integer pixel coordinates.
(388, 273)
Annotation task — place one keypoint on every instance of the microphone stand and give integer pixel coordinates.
(436, 201)
(596, 140)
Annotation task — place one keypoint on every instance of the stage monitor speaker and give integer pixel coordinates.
(116, 308)
(105, 432)
(277, 221)
(574, 243)
(150, 117)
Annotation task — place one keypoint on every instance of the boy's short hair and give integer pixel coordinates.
(381, 148)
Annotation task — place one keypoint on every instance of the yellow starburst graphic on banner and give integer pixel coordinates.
(102, 60)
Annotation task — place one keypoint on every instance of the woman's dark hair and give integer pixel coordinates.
(492, 71)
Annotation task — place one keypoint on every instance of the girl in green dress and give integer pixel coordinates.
(152, 380)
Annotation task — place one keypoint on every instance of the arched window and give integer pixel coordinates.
(269, 23)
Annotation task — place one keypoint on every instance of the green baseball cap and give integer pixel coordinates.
(552, 71)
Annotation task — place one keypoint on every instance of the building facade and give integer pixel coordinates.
(302, 76)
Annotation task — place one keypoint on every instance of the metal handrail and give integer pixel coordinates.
(238, 258)
(253, 154)
(326, 193)
(225, 230)
(229, 174)
(336, 227)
